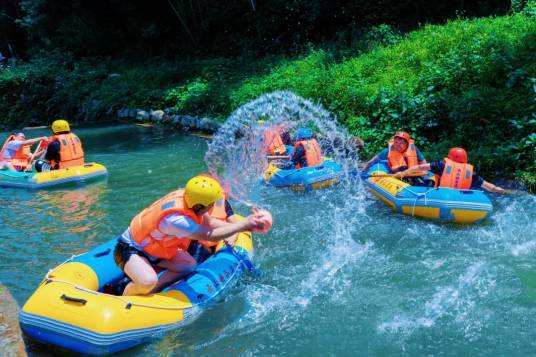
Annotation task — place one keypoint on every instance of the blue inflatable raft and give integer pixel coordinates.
(307, 178)
(34, 180)
(444, 204)
(69, 308)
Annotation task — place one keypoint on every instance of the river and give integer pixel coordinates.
(342, 275)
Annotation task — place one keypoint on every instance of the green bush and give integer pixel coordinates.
(447, 85)
(467, 83)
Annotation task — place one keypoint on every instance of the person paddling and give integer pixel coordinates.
(401, 153)
(16, 153)
(306, 151)
(64, 149)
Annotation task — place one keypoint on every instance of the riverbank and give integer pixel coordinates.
(447, 85)
(10, 333)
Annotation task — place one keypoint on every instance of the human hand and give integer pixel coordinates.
(500, 190)
(260, 221)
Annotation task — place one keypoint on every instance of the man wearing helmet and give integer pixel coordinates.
(400, 153)
(64, 149)
(454, 172)
(306, 151)
(160, 235)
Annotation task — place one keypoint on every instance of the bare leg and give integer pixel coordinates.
(8, 165)
(181, 264)
(143, 276)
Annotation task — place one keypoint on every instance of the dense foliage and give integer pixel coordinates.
(221, 28)
(469, 82)
(445, 84)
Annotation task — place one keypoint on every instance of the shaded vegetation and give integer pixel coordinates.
(469, 82)
(215, 28)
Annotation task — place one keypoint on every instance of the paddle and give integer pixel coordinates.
(29, 168)
(393, 175)
(379, 175)
(278, 157)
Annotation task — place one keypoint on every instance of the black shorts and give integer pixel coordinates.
(123, 251)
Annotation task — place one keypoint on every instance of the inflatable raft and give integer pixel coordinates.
(444, 204)
(76, 174)
(70, 310)
(307, 178)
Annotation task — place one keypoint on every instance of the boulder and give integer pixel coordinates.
(157, 115)
(142, 115)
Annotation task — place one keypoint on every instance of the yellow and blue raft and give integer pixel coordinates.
(69, 308)
(327, 174)
(444, 204)
(71, 175)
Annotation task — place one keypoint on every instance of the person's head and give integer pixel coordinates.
(304, 134)
(60, 126)
(458, 155)
(401, 141)
(201, 192)
(19, 136)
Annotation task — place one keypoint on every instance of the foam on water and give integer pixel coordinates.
(457, 302)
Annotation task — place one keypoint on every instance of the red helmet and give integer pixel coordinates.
(402, 135)
(458, 155)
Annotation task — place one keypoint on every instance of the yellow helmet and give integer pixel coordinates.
(60, 125)
(202, 190)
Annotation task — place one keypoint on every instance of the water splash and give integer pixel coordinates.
(236, 151)
(328, 218)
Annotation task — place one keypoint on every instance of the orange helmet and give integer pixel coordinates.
(402, 135)
(458, 155)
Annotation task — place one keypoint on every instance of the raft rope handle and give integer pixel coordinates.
(129, 304)
(419, 194)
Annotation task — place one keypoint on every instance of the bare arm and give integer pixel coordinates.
(488, 186)
(214, 222)
(33, 141)
(413, 170)
(215, 234)
(368, 163)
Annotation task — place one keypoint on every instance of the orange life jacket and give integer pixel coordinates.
(456, 175)
(273, 143)
(313, 154)
(71, 152)
(144, 227)
(21, 157)
(397, 160)
(219, 212)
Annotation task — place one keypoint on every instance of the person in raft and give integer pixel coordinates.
(63, 149)
(306, 151)
(16, 152)
(276, 139)
(454, 172)
(159, 236)
(400, 154)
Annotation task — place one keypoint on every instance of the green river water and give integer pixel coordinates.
(343, 276)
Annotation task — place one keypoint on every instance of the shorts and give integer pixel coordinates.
(124, 250)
